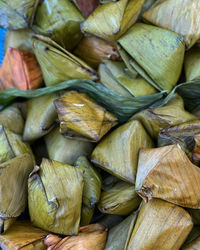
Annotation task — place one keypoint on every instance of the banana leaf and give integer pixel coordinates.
(196, 150)
(92, 182)
(110, 20)
(156, 119)
(121, 199)
(122, 161)
(59, 21)
(160, 225)
(11, 145)
(57, 64)
(55, 197)
(22, 235)
(161, 64)
(194, 245)
(192, 64)
(118, 236)
(82, 118)
(40, 117)
(13, 190)
(171, 164)
(178, 16)
(195, 214)
(111, 220)
(17, 14)
(86, 215)
(66, 150)
(194, 234)
(147, 5)
(12, 119)
(109, 182)
(86, 7)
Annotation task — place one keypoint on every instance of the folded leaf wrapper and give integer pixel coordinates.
(160, 225)
(20, 70)
(168, 174)
(120, 199)
(192, 64)
(57, 64)
(55, 196)
(194, 245)
(81, 117)
(156, 119)
(179, 16)
(122, 161)
(22, 235)
(86, 7)
(66, 150)
(13, 198)
(17, 14)
(161, 64)
(109, 21)
(86, 215)
(60, 22)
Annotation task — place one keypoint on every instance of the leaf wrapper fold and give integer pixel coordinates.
(192, 64)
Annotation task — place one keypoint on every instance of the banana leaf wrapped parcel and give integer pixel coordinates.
(86, 7)
(192, 64)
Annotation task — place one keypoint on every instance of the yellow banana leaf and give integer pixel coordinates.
(121, 199)
(57, 64)
(155, 53)
(13, 188)
(86, 215)
(22, 235)
(109, 21)
(160, 225)
(121, 161)
(168, 174)
(92, 182)
(59, 21)
(156, 119)
(55, 197)
(66, 150)
(81, 117)
(179, 16)
(192, 64)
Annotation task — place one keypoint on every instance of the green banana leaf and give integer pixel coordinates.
(86, 215)
(111, 220)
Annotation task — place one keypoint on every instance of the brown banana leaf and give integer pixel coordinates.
(13, 190)
(168, 174)
(11, 118)
(156, 119)
(160, 225)
(21, 70)
(192, 64)
(122, 161)
(40, 116)
(17, 14)
(196, 150)
(22, 235)
(60, 22)
(66, 150)
(55, 197)
(86, 215)
(82, 118)
(92, 50)
(86, 7)
(194, 245)
(118, 236)
(110, 20)
(57, 64)
(161, 64)
(178, 16)
(121, 199)
(92, 182)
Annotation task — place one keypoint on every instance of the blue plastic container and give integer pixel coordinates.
(2, 37)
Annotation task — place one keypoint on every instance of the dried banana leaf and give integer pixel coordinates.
(17, 14)
(161, 64)
(194, 234)
(92, 50)
(122, 161)
(156, 119)
(196, 150)
(57, 64)
(86, 7)
(66, 150)
(118, 236)
(40, 117)
(160, 225)
(179, 16)
(13, 190)
(82, 118)
(22, 235)
(20, 69)
(121, 199)
(11, 118)
(59, 21)
(168, 174)
(86, 215)
(92, 182)
(194, 245)
(110, 20)
(192, 64)
(11, 145)
(55, 196)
